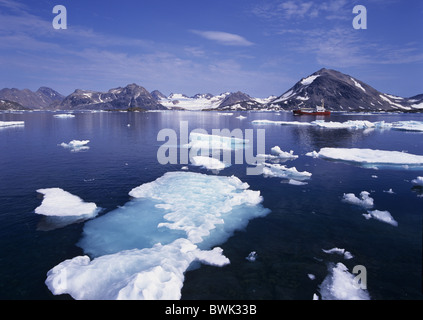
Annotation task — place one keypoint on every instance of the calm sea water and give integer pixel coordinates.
(289, 241)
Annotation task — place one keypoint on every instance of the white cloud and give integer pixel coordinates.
(224, 38)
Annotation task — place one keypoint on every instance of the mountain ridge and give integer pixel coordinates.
(341, 92)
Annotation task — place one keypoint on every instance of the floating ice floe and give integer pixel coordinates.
(418, 181)
(252, 256)
(340, 284)
(408, 126)
(4, 124)
(370, 158)
(155, 273)
(390, 191)
(281, 171)
(76, 145)
(241, 117)
(351, 124)
(58, 202)
(225, 113)
(64, 116)
(142, 249)
(277, 155)
(297, 123)
(384, 216)
(364, 201)
(346, 254)
(62, 208)
(201, 141)
(416, 126)
(297, 183)
(209, 163)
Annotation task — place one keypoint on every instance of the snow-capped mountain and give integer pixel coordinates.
(206, 101)
(341, 92)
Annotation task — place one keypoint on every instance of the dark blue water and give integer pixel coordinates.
(289, 241)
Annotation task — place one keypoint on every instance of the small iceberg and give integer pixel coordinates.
(364, 201)
(76, 145)
(281, 171)
(384, 216)
(64, 116)
(346, 254)
(61, 208)
(418, 182)
(252, 256)
(277, 155)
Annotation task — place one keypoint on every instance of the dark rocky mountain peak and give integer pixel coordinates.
(340, 92)
(41, 99)
(132, 97)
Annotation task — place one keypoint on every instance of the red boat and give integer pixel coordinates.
(318, 111)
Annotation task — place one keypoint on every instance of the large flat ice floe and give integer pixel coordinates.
(64, 116)
(416, 126)
(370, 158)
(4, 124)
(143, 249)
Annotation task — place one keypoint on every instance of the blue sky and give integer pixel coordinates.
(261, 47)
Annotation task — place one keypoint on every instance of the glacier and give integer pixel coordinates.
(142, 249)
